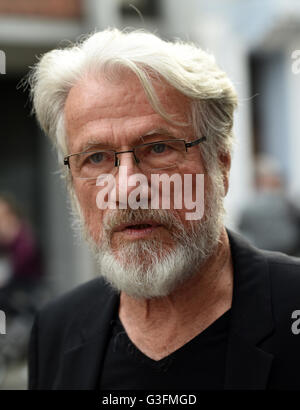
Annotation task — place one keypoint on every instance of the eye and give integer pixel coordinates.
(159, 148)
(96, 158)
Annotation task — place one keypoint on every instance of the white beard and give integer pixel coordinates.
(145, 268)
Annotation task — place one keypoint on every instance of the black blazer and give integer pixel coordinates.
(69, 335)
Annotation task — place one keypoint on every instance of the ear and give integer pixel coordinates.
(225, 163)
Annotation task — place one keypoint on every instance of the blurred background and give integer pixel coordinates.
(254, 41)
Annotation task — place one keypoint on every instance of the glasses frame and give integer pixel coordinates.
(117, 160)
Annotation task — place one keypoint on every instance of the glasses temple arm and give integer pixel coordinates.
(67, 162)
(192, 144)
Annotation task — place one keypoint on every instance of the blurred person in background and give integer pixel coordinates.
(270, 220)
(21, 253)
(179, 304)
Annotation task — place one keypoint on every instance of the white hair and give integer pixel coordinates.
(186, 67)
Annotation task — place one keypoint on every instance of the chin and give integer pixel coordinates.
(142, 252)
(143, 272)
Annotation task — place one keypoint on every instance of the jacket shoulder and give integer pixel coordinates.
(57, 328)
(285, 284)
(281, 271)
(75, 301)
(283, 268)
(281, 258)
(279, 263)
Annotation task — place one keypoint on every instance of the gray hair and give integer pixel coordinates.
(187, 68)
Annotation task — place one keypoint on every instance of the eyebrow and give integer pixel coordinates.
(95, 143)
(159, 131)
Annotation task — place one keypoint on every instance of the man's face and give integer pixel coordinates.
(114, 115)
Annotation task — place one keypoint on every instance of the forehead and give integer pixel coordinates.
(98, 106)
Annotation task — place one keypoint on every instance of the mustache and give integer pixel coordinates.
(118, 217)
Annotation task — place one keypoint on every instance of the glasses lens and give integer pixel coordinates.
(92, 164)
(160, 154)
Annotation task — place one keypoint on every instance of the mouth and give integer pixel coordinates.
(138, 229)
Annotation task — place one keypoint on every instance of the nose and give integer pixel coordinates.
(127, 159)
(128, 179)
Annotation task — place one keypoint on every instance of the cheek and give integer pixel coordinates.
(192, 167)
(86, 193)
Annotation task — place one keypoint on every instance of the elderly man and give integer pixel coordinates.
(181, 302)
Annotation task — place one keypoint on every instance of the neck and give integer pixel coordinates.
(206, 295)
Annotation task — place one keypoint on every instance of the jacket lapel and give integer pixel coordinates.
(247, 365)
(83, 358)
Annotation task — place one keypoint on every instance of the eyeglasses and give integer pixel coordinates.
(149, 156)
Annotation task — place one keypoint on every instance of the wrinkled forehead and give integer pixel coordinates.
(123, 93)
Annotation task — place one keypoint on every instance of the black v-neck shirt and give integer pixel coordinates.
(197, 365)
